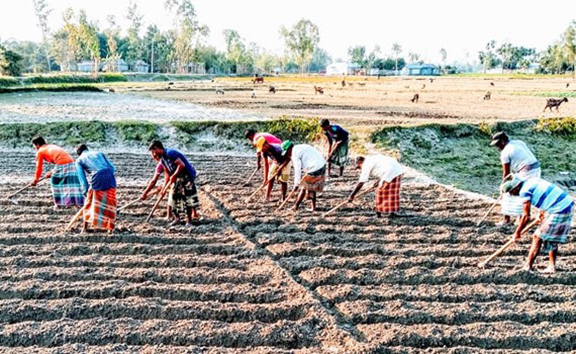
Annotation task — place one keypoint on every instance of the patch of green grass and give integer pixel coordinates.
(52, 88)
(137, 132)
(555, 94)
(6, 81)
(65, 133)
(512, 76)
(74, 79)
(461, 155)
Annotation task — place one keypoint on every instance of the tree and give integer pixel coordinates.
(488, 57)
(301, 42)
(134, 47)
(32, 53)
(396, 49)
(42, 12)
(570, 44)
(357, 55)
(320, 60)
(112, 56)
(444, 55)
(10, 62)
(235, 48)
(187, 34)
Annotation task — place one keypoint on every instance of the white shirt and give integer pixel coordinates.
(384, 168)
(518, 155)
(307, 158)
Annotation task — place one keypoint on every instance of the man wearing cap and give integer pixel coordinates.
(308, 159)
(338, 145)
(274, 153)
(516, 158)
(253, 136)
(556, 212)
(389, 174)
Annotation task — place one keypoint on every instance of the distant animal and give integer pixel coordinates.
(567, 85)
(111, 90)
(318, 90)
(170, 83)
(415, 98)
(423, 86)
(431, 80)
(253, 94)
(553, 102)
(491, 84)
(361, 84)
(366, 79)
(406, 87)
(212, 81)
(220, 92)
(488, 96)
(343, 83)
(350, 83)
(272, 89)
(258, 79)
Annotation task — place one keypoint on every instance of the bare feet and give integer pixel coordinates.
(526, 268)
(549, 270)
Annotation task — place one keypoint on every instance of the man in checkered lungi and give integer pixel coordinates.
(556, 212)
(389, 174)
(99, 187)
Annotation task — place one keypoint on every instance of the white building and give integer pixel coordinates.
(342, 69)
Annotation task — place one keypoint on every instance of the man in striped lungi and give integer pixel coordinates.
(389, 174)
(99, 187)
(556, 212)
(64, 180)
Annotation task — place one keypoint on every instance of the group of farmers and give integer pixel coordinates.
(90, 183)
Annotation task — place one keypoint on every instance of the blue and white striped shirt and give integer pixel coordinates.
(546, 196)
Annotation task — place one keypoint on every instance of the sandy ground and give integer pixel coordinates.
(378, 102)
(82, 106)
(248, 279)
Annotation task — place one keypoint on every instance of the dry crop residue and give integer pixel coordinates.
(250, 280)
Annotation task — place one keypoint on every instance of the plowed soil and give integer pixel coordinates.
(250, 280)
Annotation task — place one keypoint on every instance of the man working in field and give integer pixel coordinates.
(516, 158)
(183, 196)
(307, 158)
(64, 180)
(389, 174)
(100, 189)
(556, 212)
(274, 153)
(253, 136)
(338, 145)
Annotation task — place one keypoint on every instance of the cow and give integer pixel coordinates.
(553, 102)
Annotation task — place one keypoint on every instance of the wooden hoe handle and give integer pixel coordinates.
(160, 197)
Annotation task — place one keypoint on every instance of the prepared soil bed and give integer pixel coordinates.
(248, 279)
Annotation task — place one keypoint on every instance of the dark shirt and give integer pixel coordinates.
(336, 134)
(169, 159)
(275, 153)
(95, 165)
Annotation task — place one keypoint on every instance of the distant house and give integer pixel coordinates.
(118, 65)
(195, 68)
(421, 70)
(140, 66)
(342, 69)
(87, 66)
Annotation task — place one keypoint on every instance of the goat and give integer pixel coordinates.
(272, 89)
(343, 83)
(488, 96)
(567, 85)
(431, 80)
(553, 102)
(220, 91)
(415, 98)
(170, 83)
(253, 94)
(423, 86)
(362, 84)
(318, 90)
(491, 84)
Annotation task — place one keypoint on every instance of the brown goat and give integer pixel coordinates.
(415, 98)
(553, 102)
(318, 90)
(272, 89)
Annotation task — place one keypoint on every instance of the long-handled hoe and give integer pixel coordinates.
(160, 197)
(331, 211)
(247, 200)
(15, 202)
(291, 194)
(247, 183)
(501, 250)
(154, 192)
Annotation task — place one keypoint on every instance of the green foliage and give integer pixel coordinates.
(52, 88)
(74, 79)
(565, 127)
(10, 62)
(135, 131)
(302, 40)
(65, 133)
(8, 81)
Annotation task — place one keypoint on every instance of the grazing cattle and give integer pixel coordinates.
(272, 89)
(318, 90)
(553, 102)
(220, 92)
(491, 84)
(415, 98)
(488, 96)
(258, 80)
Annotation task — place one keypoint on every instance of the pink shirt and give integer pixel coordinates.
(270, 139)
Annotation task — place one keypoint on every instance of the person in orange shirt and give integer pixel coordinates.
(64, 180)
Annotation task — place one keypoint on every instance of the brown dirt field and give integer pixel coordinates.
(249, 280)
(376, 102)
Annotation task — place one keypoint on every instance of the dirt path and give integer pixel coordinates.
(257, 281)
